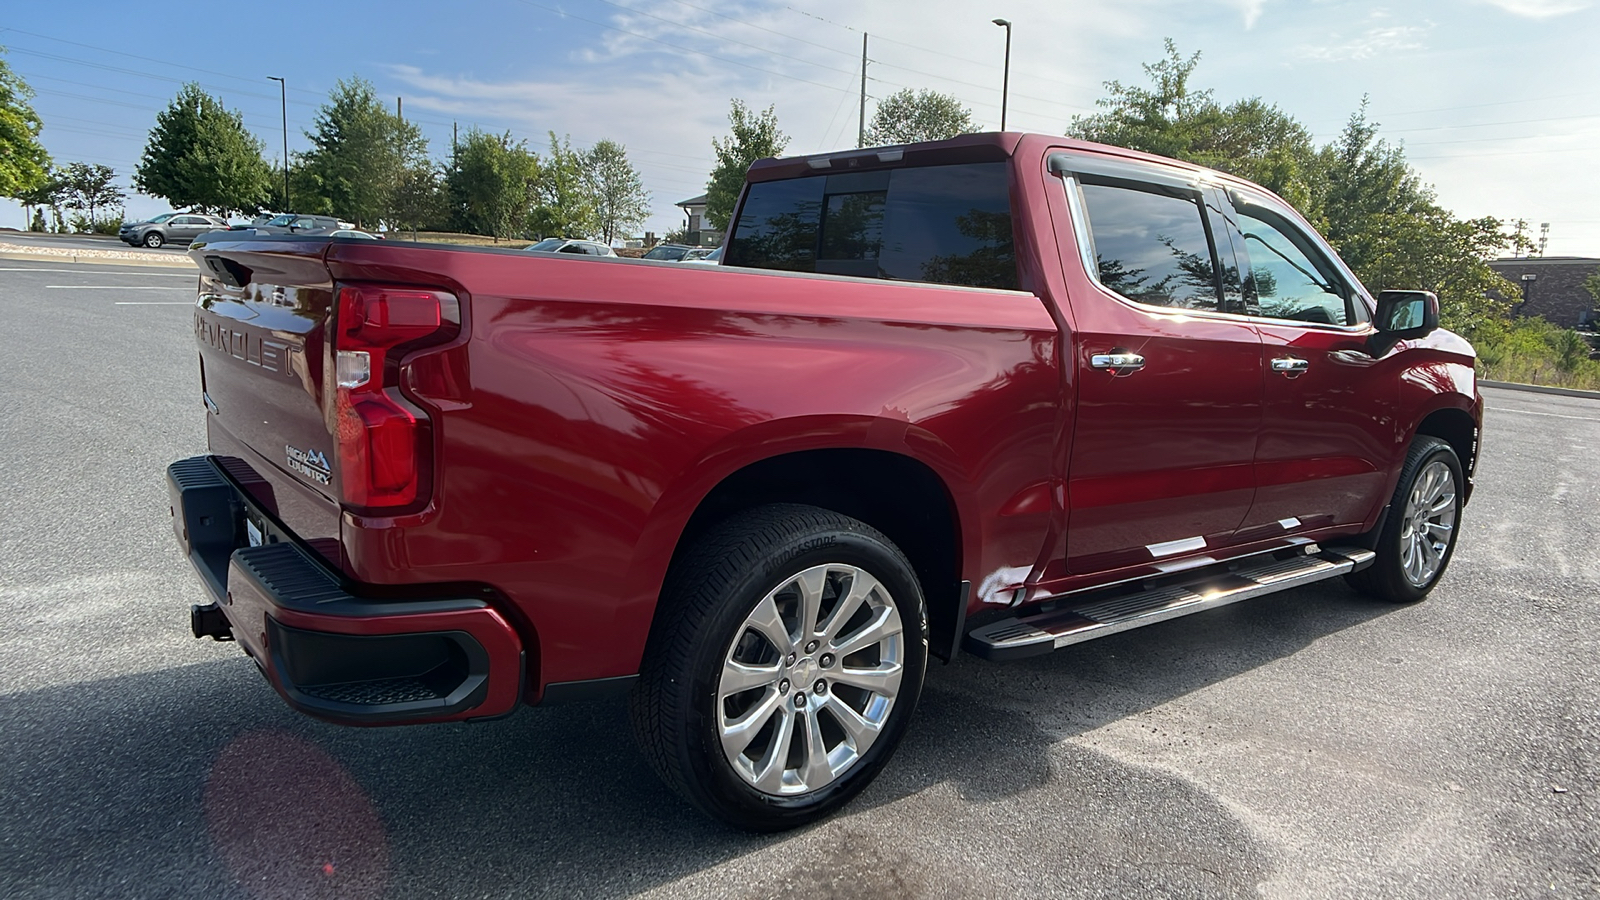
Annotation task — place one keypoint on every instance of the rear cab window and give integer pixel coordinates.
(946, 224)
(1151, 244)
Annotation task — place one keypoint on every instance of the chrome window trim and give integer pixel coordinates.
(1066, 165)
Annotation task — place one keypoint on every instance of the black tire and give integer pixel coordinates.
(153, 239)
(710, 595)
(1387, 577)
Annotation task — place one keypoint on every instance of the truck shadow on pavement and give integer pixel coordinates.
(198, 782)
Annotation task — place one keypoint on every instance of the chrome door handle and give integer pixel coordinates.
(1117, 360)
(1290, 366)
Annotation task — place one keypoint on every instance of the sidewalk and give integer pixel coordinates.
(103, 257)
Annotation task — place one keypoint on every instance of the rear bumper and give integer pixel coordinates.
(329, 652)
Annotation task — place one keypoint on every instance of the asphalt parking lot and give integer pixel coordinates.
(1313, 744)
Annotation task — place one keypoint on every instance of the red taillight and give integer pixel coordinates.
(380, 436)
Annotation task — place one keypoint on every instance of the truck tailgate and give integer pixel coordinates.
(262, 323)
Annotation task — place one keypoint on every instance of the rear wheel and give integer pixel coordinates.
(153, 239)
(787, 660)
(1419, 534)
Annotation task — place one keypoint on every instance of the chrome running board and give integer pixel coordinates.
(1078, 617)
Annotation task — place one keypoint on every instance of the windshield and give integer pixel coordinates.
(281, 220)
(667, 253)
(548, 245)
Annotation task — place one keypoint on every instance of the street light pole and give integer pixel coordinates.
(283, 94)
(1005, 89)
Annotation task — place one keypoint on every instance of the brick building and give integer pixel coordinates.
(1555, 289)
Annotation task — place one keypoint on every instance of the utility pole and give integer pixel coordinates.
(861, 128)
(399, 111)
(283, 98)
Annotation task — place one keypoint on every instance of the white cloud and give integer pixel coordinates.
(1374, 41)
(1251, 9)
(1540, 9)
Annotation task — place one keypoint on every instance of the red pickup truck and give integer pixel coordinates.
(1003, 393)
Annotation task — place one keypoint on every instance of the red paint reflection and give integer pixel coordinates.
(291, 822)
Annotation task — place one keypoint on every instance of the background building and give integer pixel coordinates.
(1552, 287)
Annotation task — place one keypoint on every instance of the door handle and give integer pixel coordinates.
(1290, 366)
(1117, 360)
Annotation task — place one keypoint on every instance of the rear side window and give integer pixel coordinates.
(943, 224)
(1151, 244)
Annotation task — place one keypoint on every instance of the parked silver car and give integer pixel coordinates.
(169, 228)
(568, 245)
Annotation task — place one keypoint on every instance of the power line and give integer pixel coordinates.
(987, 64)
(163, 62)
(850, 54)
(1519, 102)
(1492, 124)
(1505, 153)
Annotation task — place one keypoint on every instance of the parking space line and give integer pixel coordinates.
(1529, 412)
(154, 303)
(115, 287)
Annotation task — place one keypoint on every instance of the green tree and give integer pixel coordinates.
(1388, 226)
(49, 193)
(418, 199)
(563, 194)
(200, 156)
(621, 203)
(489, 182)
(753, 136)
(1592, 285)
(1249, 138)
(1359, 190)
(24, 164)
(909, 116)
(91, 187)
(359, 152)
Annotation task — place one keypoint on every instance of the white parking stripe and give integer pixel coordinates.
(154, 303)
(1528, 412)
(115, 287)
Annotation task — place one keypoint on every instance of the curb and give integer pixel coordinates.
(178, 263)
(1540, 389)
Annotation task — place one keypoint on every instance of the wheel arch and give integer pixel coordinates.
(890, 474)
(1456, 427)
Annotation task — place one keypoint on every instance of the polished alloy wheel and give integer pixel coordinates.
(1430, 520)
(810, 679)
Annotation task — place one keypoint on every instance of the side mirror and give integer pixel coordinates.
(1403, 316)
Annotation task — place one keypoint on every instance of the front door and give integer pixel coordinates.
(1328, 429)
(1169, 380)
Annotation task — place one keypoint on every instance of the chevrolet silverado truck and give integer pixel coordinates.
(1000, 394)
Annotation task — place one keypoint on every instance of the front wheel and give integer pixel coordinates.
(787, 659)
(154, 239)
(1419, 534)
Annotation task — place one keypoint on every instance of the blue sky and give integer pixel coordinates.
(1497, 101)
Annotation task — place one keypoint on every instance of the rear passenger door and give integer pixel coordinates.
(1328, 431)
(183, 229)
(1169, 372)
